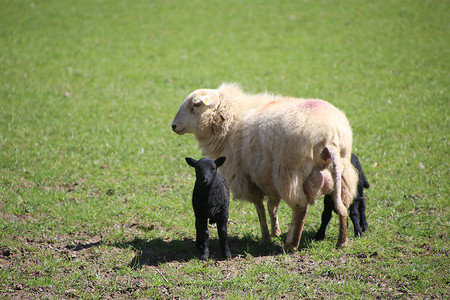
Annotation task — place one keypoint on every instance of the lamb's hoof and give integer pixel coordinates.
(225, 253)
(319, 236)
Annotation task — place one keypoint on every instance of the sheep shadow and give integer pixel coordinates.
(157, 251)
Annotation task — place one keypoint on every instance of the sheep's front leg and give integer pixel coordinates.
(295, 231)
(223, 239)
(326, 217)
(202, 242)
(272, 207)
(259, 205)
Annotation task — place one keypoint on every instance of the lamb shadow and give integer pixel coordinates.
(155, 251)
(149, 252)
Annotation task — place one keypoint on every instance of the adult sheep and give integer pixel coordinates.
(284, 148)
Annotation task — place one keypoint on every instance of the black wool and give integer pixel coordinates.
(357, 209)
(210, 200)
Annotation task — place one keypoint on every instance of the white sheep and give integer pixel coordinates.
(284, 148)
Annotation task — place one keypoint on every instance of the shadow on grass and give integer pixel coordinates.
(156, 251)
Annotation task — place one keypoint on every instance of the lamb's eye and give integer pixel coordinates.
(197, 104)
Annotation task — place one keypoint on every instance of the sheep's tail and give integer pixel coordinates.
(349, 182)
(337, 179)
(345, 180)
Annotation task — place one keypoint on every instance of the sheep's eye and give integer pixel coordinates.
(197, 104)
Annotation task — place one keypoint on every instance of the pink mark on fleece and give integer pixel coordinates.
(311, 104)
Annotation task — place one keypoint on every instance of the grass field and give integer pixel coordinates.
(95, 193)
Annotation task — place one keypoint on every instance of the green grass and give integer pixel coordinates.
(94, 190)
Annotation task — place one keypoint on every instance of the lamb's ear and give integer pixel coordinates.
(220, 161)
(192, 162)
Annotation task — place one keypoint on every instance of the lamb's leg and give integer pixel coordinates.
(202, 242)
(272, 207)
(354, 216)
(259, 205)
(362, 214)
(326, 216)
(296, 228)
(223, 239)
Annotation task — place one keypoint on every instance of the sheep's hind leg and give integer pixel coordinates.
(265, 237)
(342, 239)
(272, 207)
(338, 203)
(295, 231)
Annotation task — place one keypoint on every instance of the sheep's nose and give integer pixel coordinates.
(174, 127)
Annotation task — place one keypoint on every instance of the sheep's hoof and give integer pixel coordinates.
(203, 257)
(342, 244)
(276, 232)
(264, 241)
(289, 248)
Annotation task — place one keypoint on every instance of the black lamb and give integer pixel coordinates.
(210, 199)
(357, 208)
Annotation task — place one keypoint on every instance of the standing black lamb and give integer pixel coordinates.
(210, 200)
(357, 208)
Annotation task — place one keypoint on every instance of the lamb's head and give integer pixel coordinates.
(196, 112)
(205, 169)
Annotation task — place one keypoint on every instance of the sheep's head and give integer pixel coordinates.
(196, 112)
(205, 169)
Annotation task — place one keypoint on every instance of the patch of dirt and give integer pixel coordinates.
(102, 267)
(162, 189)
(70, 188)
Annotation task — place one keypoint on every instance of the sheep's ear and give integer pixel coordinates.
(204, 99)
(192, 162)
(220, 161)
